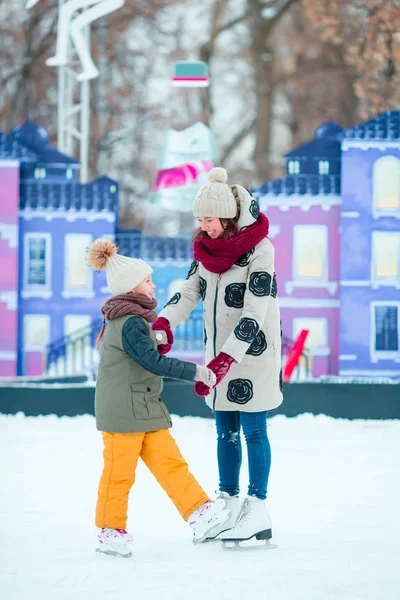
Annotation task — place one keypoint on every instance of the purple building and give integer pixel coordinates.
(370, 243)
(335, 225)
(47, 221)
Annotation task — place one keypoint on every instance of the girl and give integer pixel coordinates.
(128, 407)
(233, 273)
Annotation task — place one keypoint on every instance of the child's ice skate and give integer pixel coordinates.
(114, 542)
(206, 517)
(253, 522)
(233, 504)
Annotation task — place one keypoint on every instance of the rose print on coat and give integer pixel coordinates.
(254, 209)
(274, 287)
(175, 299)
(258, 346)
(240, 391)
(244, 260)
(193, 268)
(234, 295)
(203, 287)
(246, 330)
(260, 283)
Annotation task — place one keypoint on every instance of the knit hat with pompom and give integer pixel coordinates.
(123, 273)
(215, 199)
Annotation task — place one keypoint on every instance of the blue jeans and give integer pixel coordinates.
(229, 451)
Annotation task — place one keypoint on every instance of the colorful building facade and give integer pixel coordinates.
(335, 223)
(47, 221)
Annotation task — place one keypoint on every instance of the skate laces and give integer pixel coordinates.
(108, 532)
(244, 513)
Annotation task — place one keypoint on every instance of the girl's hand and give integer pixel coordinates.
(159, 325)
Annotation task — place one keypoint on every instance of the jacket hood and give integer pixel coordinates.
(249, 207)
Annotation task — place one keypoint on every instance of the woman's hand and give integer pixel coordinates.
(206, 376)
(220, 366)
(160, 325)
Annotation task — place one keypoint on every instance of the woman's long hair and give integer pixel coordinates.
(229, 225)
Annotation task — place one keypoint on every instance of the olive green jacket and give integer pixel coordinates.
(129, 381)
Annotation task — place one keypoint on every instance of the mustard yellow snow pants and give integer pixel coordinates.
(162, 456)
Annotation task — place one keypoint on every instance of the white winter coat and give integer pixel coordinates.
(242, 319)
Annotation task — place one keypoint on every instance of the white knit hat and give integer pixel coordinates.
(215, 199)
(123, 273)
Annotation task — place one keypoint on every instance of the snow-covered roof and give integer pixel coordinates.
(385, 126)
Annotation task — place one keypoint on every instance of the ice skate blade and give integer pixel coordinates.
(113, 553)
(247, 545)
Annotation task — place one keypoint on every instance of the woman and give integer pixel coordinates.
(233, 273)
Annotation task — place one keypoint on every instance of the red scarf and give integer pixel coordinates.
(219, 255)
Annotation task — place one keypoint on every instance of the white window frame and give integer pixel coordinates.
(380, 281)
(319, 350)
(35, 347)
(37, 290)
(379, 212)
(377, 355)
(294, 167)
(323, 167)
(77, 292)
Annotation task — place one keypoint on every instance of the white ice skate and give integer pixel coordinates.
(233, 504)
(253, 522)
(114, 542)
(206, 517)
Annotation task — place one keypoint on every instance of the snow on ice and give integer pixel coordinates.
(333, 499)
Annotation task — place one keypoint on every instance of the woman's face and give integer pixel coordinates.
(211, 225)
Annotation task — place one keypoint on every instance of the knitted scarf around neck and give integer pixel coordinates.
(137, 305)
(219, 255)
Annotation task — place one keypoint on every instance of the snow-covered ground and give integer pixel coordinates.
(334, 502)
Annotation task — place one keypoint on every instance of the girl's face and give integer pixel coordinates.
(211, 225)
(145, 287)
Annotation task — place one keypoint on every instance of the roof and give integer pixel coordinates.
(12, 149)
(36, 139)
(385, 126)
(326, 143)
(302, 185)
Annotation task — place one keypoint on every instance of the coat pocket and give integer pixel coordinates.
(145, 406)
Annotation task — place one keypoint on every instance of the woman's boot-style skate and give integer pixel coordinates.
(233, 504)
(114, 542)
(253, 522)
(206, 517)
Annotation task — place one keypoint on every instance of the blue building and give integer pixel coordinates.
(370, 248)
(55, 219)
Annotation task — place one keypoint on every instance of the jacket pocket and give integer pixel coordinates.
(145, 406)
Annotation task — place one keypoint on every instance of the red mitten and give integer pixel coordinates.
(201, 389)
(221, 365)
(162, 324)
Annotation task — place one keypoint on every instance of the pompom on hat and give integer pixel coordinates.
(215, 198)
(123, 273)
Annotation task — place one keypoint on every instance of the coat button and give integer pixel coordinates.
(148, 389)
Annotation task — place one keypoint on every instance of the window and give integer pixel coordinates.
(385, 330)
(74, 322)
(318, 331)
(40, 173)
(386, 257)
(323, 167)
(386, 186)
(294, 167)
(69, 173)
(37, 261)
(36, 332)
(78, 276)
(310, 252)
